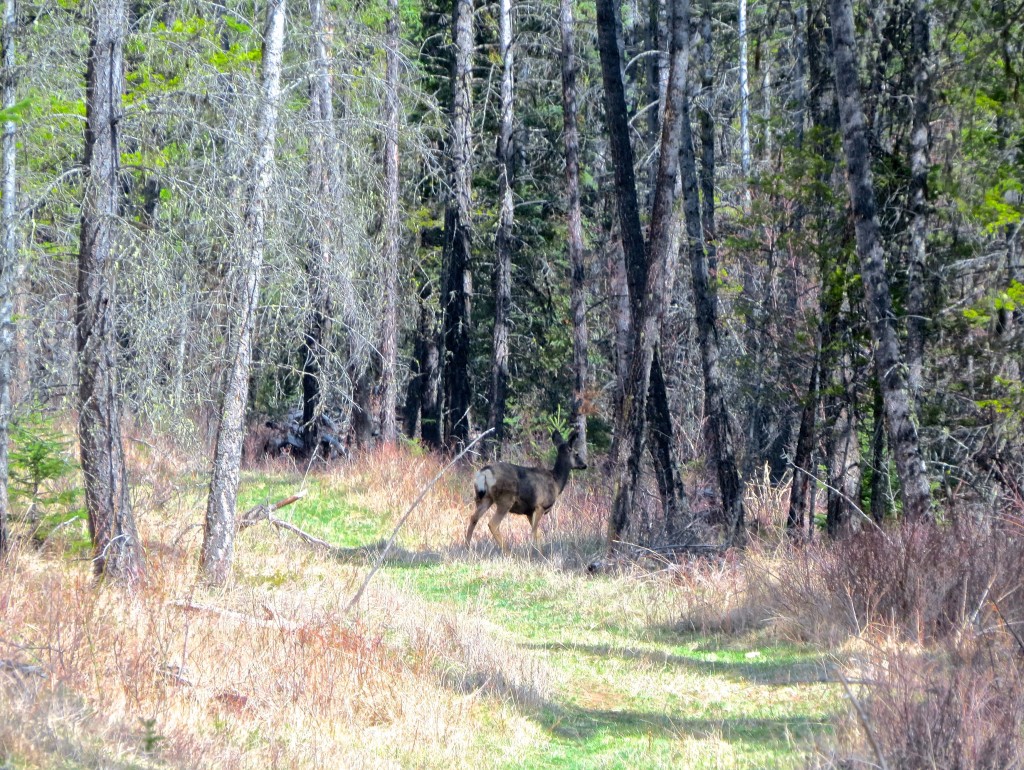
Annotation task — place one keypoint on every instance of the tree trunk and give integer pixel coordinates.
(800, 515)
(879, 467)
(457, 285)
(703, 268)
(744, 97)
(920, 143)
(219, 534)
(323, 185)
(111, 524)
(888, 360)
(503, 239)
(9, 262)
(389, 327)
(844, 466)
(648, 297)
(574, 217)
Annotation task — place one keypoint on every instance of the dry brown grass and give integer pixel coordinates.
(96, 676)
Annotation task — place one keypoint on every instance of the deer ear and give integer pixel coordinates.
(556, 438)
(571, 441)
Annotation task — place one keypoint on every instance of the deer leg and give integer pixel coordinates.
(535, 518)
(495, 523)
(481, 509)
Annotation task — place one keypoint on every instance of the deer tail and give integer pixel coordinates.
(483, 481)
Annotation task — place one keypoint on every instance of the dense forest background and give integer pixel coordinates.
(416, 218)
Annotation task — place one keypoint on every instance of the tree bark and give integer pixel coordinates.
(389, 326)
(700, 230)
(744, 96)
(889, 365)
(219, 534)
(648, 297)
(111, 524)
(457, 281)
(9, 263)
(502, 279)
(574, 221)
(323, 185)
(920, 144)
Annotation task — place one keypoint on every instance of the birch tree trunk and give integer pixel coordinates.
(323, 191)
(574, 217)
(889, 365)
(9, 262)
(457, 279)
(744, 97)
(219, 534)
(503, 239)
(389, 330)
(111, 524)
(920, 145)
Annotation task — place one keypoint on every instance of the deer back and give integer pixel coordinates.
(527, 488)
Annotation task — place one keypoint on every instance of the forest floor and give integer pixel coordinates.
(454, 657)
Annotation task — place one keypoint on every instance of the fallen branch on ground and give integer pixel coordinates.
(274, 621)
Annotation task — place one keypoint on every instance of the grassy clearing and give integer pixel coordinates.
(456, 658)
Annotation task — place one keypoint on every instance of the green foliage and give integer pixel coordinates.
(40, 457)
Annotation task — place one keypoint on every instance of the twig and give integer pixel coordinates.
(391, 540)
(862, 717)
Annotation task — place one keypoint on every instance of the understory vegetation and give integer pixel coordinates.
(898, 648)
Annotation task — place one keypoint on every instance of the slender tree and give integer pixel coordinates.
(574, 222)
(323, 184)
(699, 214)
(9, 262)
(889, 362)
(219, 535)
(111, 524)
(502, 279)
(457, 278)
(389, 327)
(920, 145)
(646, 264)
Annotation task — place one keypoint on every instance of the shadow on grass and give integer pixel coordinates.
(767, 672)
(396, 556)
(581, 724)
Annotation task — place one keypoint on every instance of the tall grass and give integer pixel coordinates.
(269, 672)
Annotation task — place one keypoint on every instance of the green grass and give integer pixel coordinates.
(322, 512)
(633, 694)
(631, 689)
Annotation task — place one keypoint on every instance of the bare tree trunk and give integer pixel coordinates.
(879, 469)
(914, 488)
(646, 270)
(111, 524)
(799, 498)
(9, 262)
(503, 239)
(323, 185)
(844, 466)
(389, 327)
(700, 230)
(744, 97)
(457, 281)
(574, 216)
(219, 535)
(920, 143)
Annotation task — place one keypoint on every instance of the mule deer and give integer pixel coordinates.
(529, 491)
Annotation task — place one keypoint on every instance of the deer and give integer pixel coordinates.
(528, 491)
